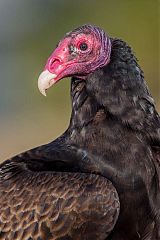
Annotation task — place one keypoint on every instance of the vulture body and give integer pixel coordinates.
(101, 178)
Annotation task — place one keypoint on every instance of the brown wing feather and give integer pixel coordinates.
(47, 205)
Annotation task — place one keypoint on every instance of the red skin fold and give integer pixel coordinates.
(69, 60)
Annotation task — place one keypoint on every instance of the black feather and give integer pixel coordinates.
(114, 132)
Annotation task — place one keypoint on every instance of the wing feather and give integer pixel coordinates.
(55, 205)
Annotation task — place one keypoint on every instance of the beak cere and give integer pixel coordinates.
(45, 81)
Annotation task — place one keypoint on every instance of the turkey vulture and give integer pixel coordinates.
(101, 178)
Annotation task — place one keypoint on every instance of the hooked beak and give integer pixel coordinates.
(45, 81)
(55, 67)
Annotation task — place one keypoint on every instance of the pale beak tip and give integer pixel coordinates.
(45, 81)
(44, 93)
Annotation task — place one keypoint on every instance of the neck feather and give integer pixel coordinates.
(115, 92)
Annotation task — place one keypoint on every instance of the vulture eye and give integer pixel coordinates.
(83, 46)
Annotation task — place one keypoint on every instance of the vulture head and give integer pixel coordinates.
(79, 53)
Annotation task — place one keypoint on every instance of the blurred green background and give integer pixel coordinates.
(29, 31)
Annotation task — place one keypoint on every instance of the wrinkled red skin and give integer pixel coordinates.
(69, 60)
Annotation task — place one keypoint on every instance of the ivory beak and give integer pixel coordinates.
(45, 81)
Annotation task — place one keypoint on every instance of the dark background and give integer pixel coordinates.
(29, 31)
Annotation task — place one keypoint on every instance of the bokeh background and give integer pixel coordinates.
(29, 31)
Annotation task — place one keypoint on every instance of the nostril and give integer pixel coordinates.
(52, 62)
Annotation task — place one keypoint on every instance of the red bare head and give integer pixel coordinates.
(79, 53)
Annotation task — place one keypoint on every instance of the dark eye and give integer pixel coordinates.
(83, 46)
